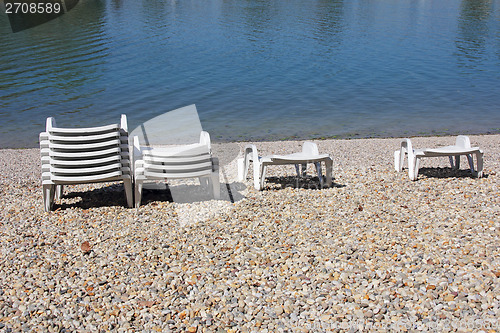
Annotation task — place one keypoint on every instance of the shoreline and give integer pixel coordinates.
(346, 136)
(376, 249)
(356, 136)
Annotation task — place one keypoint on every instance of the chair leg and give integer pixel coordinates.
(398, 164)
(204, 182)
(256, 175)
(297, 169)
(129, 194)
(457, 162)
(320, 174)
(59, 191)
(262, 177)
(328, 172)
(417, 167)
(452, 164)
(470, 159)
(304, 170)
(479, 159)
(138, 193)
(215, 185)
(48, 196)
(241, 169)
(413, 166)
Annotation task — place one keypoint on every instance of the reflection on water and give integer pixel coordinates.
(328, 16)
(258, 69)
(57, 70)
(473, 31)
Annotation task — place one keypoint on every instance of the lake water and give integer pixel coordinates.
(258, 69)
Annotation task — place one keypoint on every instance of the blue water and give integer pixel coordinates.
(258, 69)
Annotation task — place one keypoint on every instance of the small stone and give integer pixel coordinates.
(146, 303)
(278, 310)
(325, 317)
(368, 313)
(85, 247)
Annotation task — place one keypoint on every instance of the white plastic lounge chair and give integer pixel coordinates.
(84, 155)
(187, 161)
(461, 147)
(309, 154)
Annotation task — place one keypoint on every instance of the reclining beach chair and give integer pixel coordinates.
(309, 154)
(84, 155)
(462, 147)
(186, 161)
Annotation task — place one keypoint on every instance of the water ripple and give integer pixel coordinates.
(258, 69)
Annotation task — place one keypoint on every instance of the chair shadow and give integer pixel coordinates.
(106, 196)
(447, 172)
(307, 182)
(114, 195)
(192, 193)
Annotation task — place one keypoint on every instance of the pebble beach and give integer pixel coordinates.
(374, 252)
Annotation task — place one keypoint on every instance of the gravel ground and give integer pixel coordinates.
(375, 252)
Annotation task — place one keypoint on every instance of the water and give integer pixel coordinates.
(258, 69)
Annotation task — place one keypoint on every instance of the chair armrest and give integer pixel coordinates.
(123, 123)
(137, 152)
(205, 140)
(406, 146)
(251, 153)
(50, 123)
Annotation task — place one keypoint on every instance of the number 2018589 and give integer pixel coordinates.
(32, 8)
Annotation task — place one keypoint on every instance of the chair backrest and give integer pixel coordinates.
(310, 148)
(185, 161)
(76, 155)
(462, 141)
(193, 161)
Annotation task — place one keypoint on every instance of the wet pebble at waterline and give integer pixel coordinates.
(376, 251)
